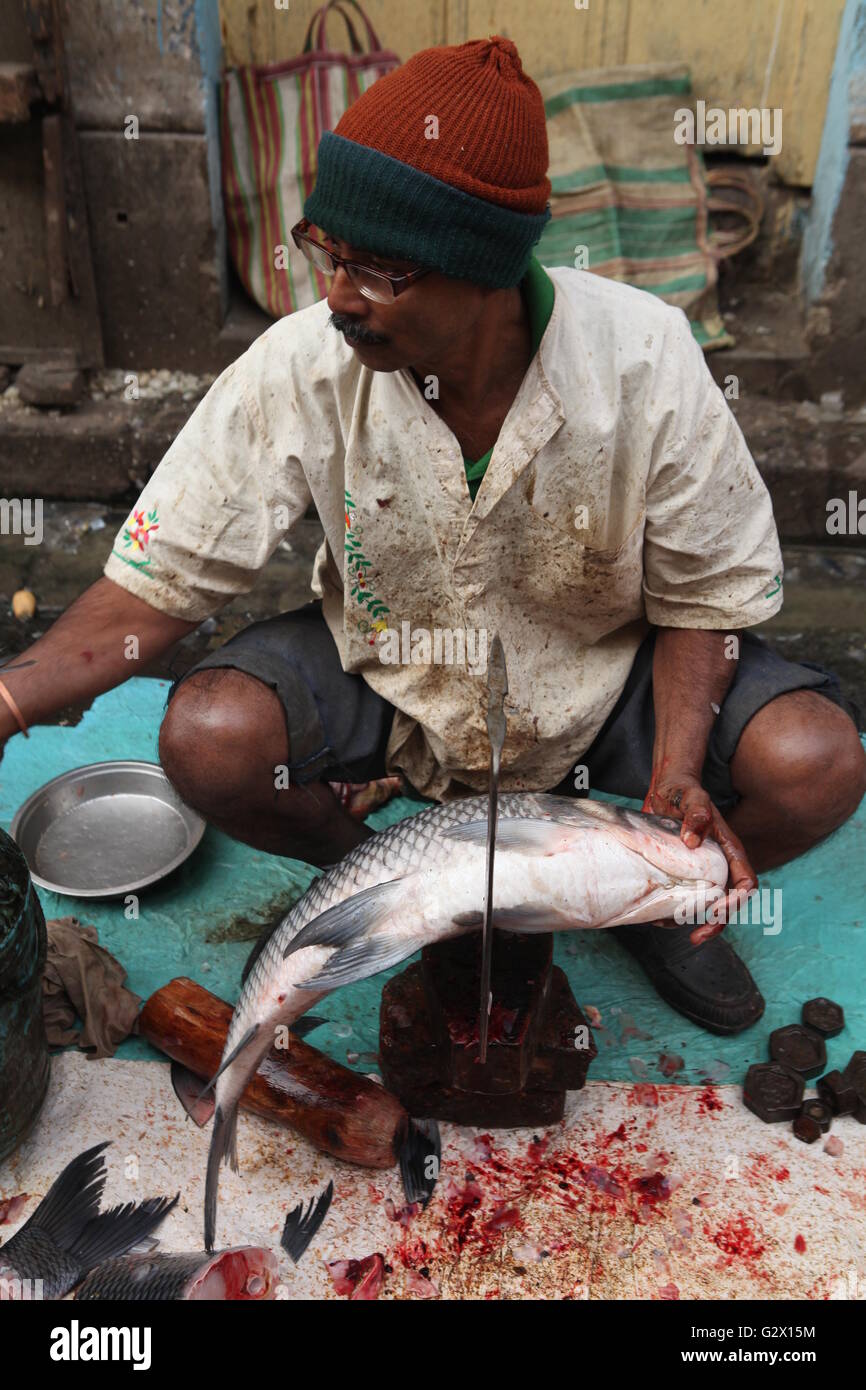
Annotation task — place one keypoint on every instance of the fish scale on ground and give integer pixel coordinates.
(560, 864)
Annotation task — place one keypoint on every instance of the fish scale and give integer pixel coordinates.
(243, 1273)
(400, 849)
(141, 1277)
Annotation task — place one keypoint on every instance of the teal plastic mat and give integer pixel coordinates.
(201, 922)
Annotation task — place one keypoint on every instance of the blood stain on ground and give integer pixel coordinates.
(644, 1094)
(654, 1187)
(474, 1218)
(799, 1245)
(709, 1102)
(763, 1168)
(503, 1219)
(736, 1238)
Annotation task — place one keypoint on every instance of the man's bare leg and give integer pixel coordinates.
(221, 742)
(800, 770)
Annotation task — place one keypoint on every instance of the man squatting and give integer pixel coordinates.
(490, 447)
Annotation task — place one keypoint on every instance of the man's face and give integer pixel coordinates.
(419, 328)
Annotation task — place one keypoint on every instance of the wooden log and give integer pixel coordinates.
(341, 1113)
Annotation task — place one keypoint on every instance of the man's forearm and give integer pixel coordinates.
(692, 673)
(87, 651)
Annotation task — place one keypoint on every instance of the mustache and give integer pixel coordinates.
(355, 332)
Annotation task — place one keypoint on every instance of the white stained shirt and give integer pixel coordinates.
(620, 493)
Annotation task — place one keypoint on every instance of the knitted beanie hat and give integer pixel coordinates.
(443, 162)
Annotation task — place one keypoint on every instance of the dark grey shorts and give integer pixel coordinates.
(338, 726)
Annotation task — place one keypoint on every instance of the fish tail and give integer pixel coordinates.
(223, 1147)
(117, 1230)
(72, 1200)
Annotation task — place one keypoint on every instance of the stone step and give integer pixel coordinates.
(771, 354)
(104, 451)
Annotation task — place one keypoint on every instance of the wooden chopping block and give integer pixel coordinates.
(341, 1113)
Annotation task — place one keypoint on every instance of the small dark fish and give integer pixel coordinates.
(67, 1235)
(419, 1160)
(242, 1274)
(302, 1225)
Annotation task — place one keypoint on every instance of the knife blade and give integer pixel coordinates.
(497, 689)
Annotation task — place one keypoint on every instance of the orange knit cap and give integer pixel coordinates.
(492, 137)
(442, 162)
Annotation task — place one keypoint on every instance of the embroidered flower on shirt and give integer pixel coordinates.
(357, 566)
(136, 536)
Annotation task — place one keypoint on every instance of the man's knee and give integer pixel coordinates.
(222, 732)
(802, 754)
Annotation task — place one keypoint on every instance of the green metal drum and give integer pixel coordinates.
(24, 1063)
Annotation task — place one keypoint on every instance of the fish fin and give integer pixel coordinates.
(302, 1026)
(72, 1200)
(360, 961)
(223, 1146)
(198, 1105)
(422, 1143)
(301, 1225)
(468, 919)
(113, 1232)
(532, 917)
(145, 1246)
(227, 1061)
(355, 916)
(529, 917)
(523, 836)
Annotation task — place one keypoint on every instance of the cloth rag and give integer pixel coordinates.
(83, 980)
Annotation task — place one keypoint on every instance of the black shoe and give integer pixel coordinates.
(708, 983)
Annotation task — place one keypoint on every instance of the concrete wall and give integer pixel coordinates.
(833, 246)
(843, 132)
(154, 201)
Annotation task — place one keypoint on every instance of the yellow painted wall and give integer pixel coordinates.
(776, 53)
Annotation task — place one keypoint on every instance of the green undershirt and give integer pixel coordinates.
(537, 288)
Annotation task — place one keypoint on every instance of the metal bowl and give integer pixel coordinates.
(105, 829)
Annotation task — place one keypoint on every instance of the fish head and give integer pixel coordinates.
(242, 1274)
(656, 839)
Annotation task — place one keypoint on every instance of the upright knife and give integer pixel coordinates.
(497, 689)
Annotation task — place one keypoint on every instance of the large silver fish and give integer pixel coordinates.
(560, 864)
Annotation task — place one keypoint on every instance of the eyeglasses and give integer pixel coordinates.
(377, 285)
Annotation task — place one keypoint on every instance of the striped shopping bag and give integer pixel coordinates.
(271, 119)
(631, 203)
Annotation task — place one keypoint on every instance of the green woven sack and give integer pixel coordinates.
(628, 201)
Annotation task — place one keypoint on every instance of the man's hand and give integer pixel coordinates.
(682, 797)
